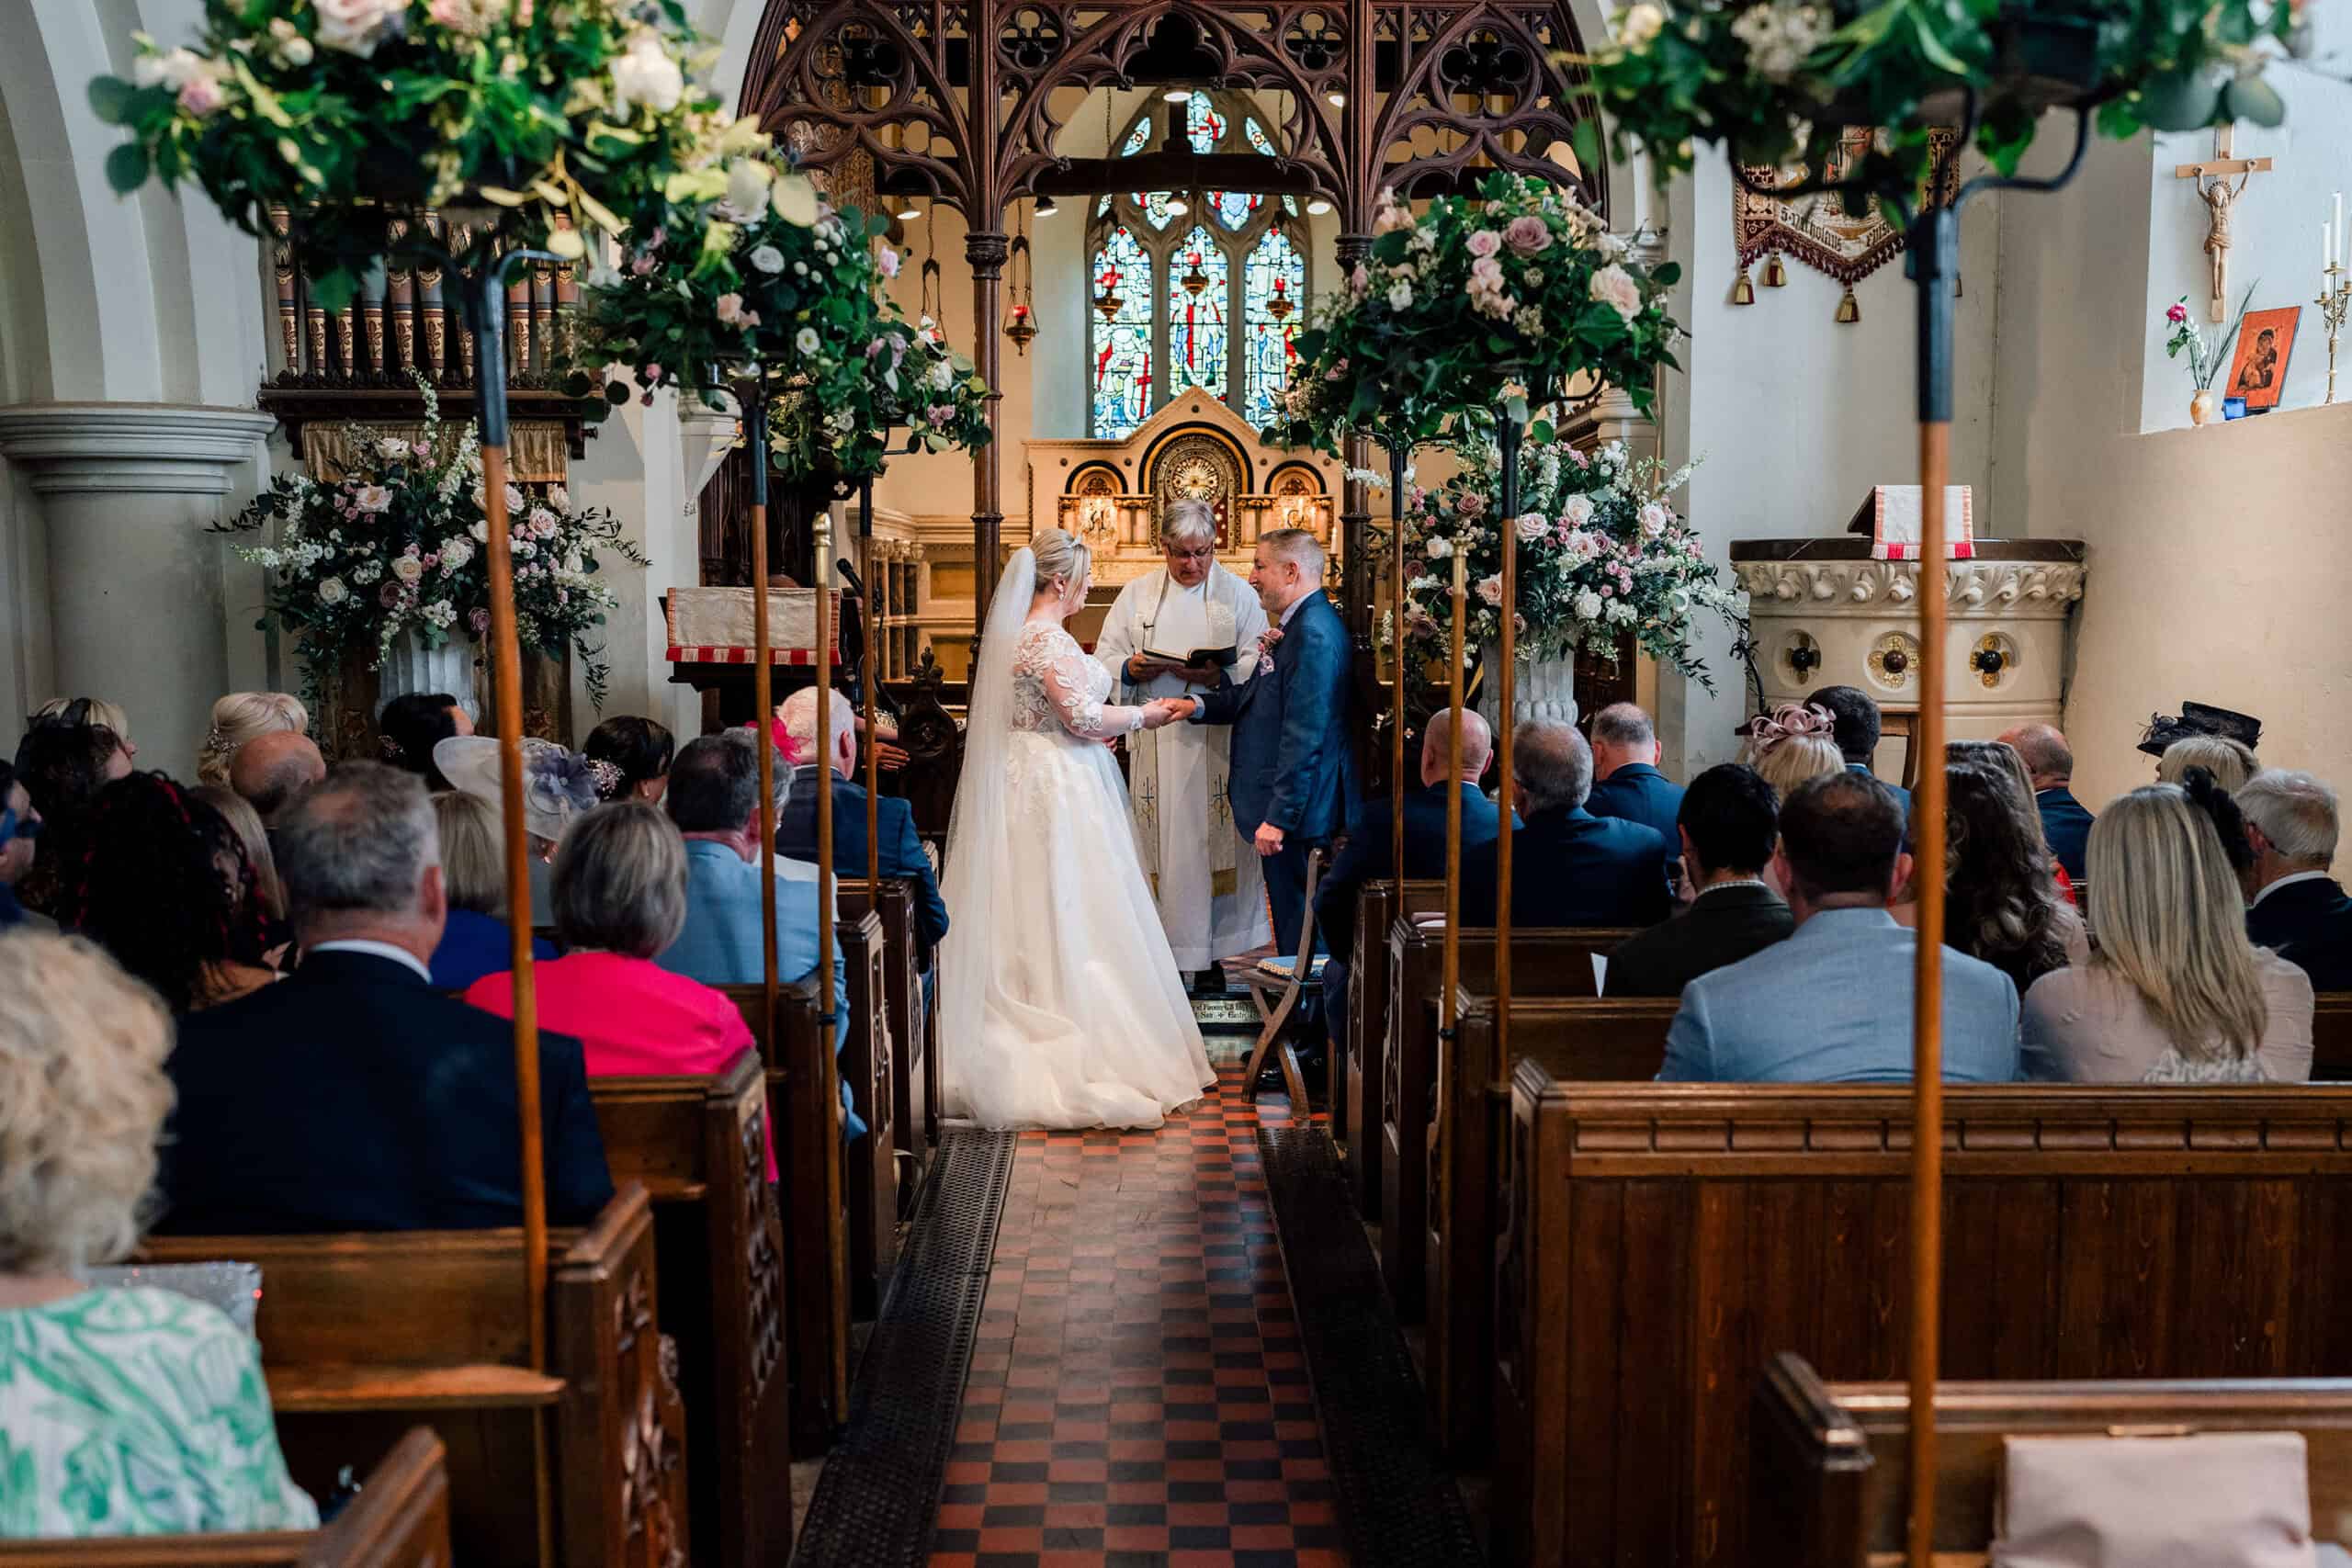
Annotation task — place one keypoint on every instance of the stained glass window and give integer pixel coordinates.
(1274, 273)
(1197, 290)
(1122, 396)
(1228, 337)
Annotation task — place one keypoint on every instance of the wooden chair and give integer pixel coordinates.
(1278, 1000)
(1828, 1478)
(401, 1519)
(1355, 1105)
(2332, 1037)
(363, 1335)
(1661, 1242)
(699, 1147)
(805, 1108)
(1576, 1037)
(1548, 961)
(914, 1058)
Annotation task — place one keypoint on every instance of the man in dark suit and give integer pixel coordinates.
(1292, 779)
(1370, 841)
(1625, 765)
(902, 848)
(1569, 867)
(1727, 829)
(1858, 724)
(2298, 909)
(2064, 823)
(353, 1095)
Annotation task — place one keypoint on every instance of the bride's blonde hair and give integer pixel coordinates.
(1061, 557)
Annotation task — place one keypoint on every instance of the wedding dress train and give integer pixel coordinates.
(1060, 1004)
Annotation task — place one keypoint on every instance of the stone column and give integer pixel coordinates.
(133, 579)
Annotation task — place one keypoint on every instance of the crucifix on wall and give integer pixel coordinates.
(2212, 177)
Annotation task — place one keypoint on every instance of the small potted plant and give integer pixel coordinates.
(2205, 357)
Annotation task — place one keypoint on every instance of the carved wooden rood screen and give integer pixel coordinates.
(964, 104)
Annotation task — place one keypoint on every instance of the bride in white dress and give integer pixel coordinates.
(1060, 1001)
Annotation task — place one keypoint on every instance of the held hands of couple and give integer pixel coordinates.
(1162, 711)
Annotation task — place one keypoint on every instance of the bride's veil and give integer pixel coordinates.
(979, 845)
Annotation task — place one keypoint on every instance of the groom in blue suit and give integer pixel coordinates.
(1293, 779)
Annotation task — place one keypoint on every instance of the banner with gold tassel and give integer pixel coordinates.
(1815, 229)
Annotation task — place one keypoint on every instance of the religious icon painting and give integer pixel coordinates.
(1815, 229)
(2258, 370)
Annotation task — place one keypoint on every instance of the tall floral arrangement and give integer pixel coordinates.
(912, 379)
(395, 547)
(562, 116)
(1602, 551)
(1519, 283)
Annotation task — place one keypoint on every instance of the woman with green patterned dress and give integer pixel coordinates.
(122, 1412)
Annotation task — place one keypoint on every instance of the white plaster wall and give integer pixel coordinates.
(635, 467)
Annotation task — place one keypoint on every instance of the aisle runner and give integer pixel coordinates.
(875, 1501)
(1398, 1501)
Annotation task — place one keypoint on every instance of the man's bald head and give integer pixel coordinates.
(271, 770)
(1477, 745)
(2047, 756)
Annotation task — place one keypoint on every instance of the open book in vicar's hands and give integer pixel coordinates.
(1199, 659)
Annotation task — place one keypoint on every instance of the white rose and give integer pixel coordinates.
(1577, 511)
(1400, 296)
(1587, 605)
(1490, 589)
(515, 501)
(1640, 25)
(481, 531)
(333, 591)
(644, 74)
(408, 568)
(1439, 548)
(1654, 518)
(747, 190)
(559, 498)
(941, 377)
(1614, 287)
(768, 259)
(806, 340)
(392, 450)
(456, 554)
(355, 27)
(1533, 527)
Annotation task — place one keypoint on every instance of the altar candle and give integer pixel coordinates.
(2338, 225)
(2326, 250)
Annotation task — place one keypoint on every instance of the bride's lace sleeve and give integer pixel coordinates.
(1069, 679)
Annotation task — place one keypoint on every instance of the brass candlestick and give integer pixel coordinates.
(2334, 304)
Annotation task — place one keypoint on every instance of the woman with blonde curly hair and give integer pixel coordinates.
(2231, 763)
(239, 718)
(1793, 744)
(127, 1411)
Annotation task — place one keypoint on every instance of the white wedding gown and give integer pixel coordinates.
(1060, 1004)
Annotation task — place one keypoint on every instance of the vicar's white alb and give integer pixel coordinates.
(1210, 891)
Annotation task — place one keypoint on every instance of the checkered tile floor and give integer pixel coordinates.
(1137, 1395)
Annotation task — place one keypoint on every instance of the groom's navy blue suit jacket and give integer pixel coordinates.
(1291, 764)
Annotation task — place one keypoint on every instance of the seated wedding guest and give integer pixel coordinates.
(245, 822)
(1859, 724)
(1626, 782)
(714, 800)
(2204, 721)
(2174, 993)
(620, 898)
(2231, 763)
(630, 758)
(1792, 745)
(353, 1096)
(477, 940)
(271, 770)
(412, 723)
(1569, 867)
(78, 711)
(163, 885)
(1726, 827)
(62, 765)
(241, 716)
(1371, 840)
(795, 825)
(1832, 1004)
(19, 824)
(2001, 903)
(2050, 767)
(557, 786)
(127, 1410)
(2005, 758)
(2298, 911)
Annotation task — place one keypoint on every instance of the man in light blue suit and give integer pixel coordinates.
(1832, 1004)
(1292, 779)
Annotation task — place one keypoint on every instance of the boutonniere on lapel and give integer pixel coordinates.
(1266, 640)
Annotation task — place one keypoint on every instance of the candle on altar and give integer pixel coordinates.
(2338, 229)
(2327, 251)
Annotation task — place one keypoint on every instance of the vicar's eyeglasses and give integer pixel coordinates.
(1206, 552)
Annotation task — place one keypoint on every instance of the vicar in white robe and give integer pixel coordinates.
(1211, 894)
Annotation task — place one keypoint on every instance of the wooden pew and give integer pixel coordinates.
(364, 1334)
(1661, 1241)
(1546, 961)
(1828, 1463)
(805, 1108)
(401, 1519)
(699, 1147)
(1355, 1109)
(1621, 1039)
(2332, 1037)
(915, 1059)
(866, 1066)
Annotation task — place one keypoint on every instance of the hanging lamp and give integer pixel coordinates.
(1021, 322)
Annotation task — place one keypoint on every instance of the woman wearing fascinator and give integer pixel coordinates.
(559, 786)
(1793, 743)
(629, 759)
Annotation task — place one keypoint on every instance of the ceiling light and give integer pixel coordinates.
(908, 211)
(1178, 94)
(1318, 206)
(1177, 204)
(1337, 100)
(1048, 207)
